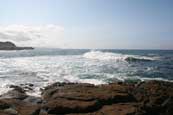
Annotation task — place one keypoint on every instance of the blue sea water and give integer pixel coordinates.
(42, 67)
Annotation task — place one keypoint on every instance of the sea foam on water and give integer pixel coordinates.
(42, 67)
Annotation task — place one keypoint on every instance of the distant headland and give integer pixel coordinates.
(11, 46)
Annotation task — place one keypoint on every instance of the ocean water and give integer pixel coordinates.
(42, 67)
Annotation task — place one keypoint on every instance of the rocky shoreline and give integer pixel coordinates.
(143, 98)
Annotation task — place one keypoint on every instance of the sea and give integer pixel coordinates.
(44, 66)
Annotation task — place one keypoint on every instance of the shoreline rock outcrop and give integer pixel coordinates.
(12, 46)
(144, 98)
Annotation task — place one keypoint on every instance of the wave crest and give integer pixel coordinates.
(108, 56)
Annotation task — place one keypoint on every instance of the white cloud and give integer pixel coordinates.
(37, 36)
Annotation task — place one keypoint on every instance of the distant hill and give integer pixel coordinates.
(11, 46)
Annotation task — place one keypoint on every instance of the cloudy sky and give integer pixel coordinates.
(122, 24)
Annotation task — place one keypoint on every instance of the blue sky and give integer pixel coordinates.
(121, 24)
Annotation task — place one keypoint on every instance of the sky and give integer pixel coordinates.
(94, 24)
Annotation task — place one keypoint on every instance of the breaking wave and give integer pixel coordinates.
(98, 55)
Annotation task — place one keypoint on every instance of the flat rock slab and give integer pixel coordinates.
(114, 109)
(81, 98)
(86, 92)
(144, 98)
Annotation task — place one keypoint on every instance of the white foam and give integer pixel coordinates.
(92, 81)
(45, 70)
(4, 86)
(103, 56)
(98, 55)
(35, 92)
(157, 79)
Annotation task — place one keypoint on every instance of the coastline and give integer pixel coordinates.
(140, 98)
(11, 46)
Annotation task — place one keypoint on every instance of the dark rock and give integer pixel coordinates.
(8, 106)
(28, 109)
(7, 45)
(17, 88)
(11, 111)
(3, 105)
(20, 107)
(33, 100)
(114, 109)
(27, 87)
(119, 109)
(155, 96)
(133, 59)
(4, 113)
(16, 93)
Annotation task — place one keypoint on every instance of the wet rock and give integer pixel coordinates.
(17, 102)
(13, 106)
(11, 111)
(17, 88)
(8, 106)
(33, 100)
(27, 87)
(16, 93)
(3, 105)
